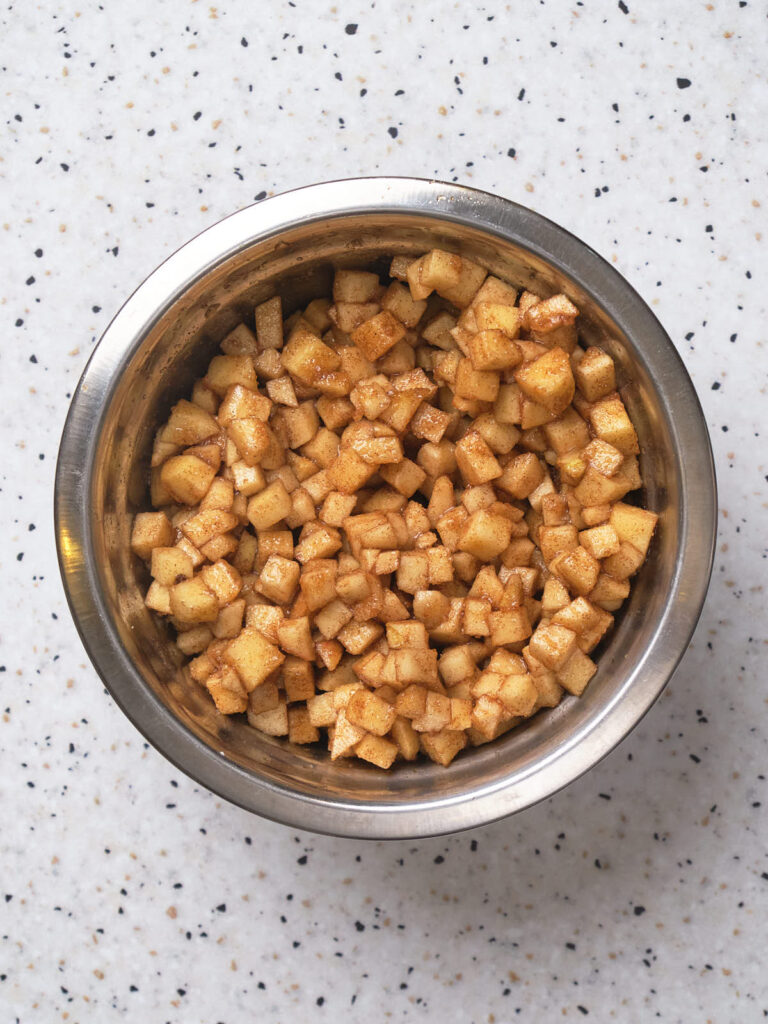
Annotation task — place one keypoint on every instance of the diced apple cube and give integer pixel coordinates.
(583, 617)
(429, 423)
(457, 665)
(413, 571)
(318, 583)
(377, 751)
(596, 489)
(307, 358)
(442, 747)
(279, 578)
(378, 335)
(357, 637)
(248, 480)
(225, 371)
(188, 424)
(437, 269)
(603, 457)
(322, 449)
(633, 525)
(548, 380)
(600, 541)
(354, 586)
(552, 645)
(485, 535)
(269, 506)
(345, 736)
(407, 635)
(576, 672)
(411, 665)
(321, 709)
(493, 350)
(611, 423)
(336, 508)
(406, 477)
(335, 412)
(170, 565)
(323, 542)
(271, 723)
(609, 593)
(265, 618)
(486, 716)
(282, 392)
(398, 300)
(501, 438)
(223, 580)
(272, 542)
(348, 472)
(332, 618)
(220, 495)
(227, 690)
(295, 637)
(475, 460)
(330, 653)
(455, 278)
(521, 475)
(194, 640)
(406, 738)
(200, 529)
(437, 459)
(186, 478)
(221, 546)
(518, 694)
(300, 728)
(595, 374)
(625, 562)
(158, 598)
(550, 314)
(507, 407)
(554, 598)
(554, 539)
(316, 314)
(269, 323)
(496, 316)
(476, 617)
(431, 607)
(577, 569)
(253, 657)
(241, 403)
(509, 626)
(533, 415)
(355, 286)
(439, 565)
(370, 712)
(473, 383)
(436, 714)
(301, 424)
(191, 602)
(268, 364)
(265, 697)
(567, 432)
(298, 679)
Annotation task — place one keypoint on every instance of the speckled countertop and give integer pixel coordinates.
(126, 892)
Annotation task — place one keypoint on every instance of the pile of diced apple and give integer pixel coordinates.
(395, 518)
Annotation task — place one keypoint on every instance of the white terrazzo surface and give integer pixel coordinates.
(640, 892)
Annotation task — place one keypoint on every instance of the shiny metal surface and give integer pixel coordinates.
(162, 339)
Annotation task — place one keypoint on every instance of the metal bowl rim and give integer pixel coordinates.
(490, 214)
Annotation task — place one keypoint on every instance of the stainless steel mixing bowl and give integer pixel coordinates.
(161, 340)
